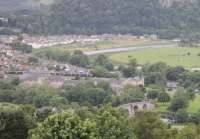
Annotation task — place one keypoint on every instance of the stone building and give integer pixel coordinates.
(118, 85)
(2, 75)
(132, 108)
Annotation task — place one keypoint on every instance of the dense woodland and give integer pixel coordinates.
(114, 16)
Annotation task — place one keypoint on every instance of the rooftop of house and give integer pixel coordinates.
(172, 84)
(3, 46)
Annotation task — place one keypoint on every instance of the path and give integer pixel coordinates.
(116, 50)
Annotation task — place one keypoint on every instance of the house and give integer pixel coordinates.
(4, 20)
(195, 69)
(119, 85)
(115, 84)
(154, 37)
(171, 85)
(33, 78)
(55, 81)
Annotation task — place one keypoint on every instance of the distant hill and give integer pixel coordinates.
(167, 18)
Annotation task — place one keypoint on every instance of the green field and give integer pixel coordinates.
(187, 57)
(194, 106)
(161, 107)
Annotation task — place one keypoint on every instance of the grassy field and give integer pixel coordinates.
(187, 57)
(125, 41)
(161, 107)
(178, 126)
(194, 106)
(115, 42)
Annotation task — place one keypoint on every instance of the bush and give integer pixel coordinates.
(178, 103)
(163, 97)
(152, 94)
(182, 116)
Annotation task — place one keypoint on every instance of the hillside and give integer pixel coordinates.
(167, 18)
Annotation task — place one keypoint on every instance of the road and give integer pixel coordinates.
(125, 49)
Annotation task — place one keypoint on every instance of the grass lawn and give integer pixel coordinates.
(194, 105)
(178, 126)
(116, 42)
(187, 57)
(124, 41)
(161, 107)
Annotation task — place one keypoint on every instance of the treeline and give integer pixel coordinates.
(85, 94)
(86, 123)
(18, 45)
(114, 16)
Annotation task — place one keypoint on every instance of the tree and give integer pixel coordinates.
(153, 91)
(112, 124)
(155, 78)
(195, 118)
(102, 72)
(33, 60)
(6, 95)
(133, 63)
(15, 81)
(131, 69)
(180, 100)
(79, 59)
(21, 47)
(14, 122)
(147, 125)
(96, 96)
(38, 95)
(101, 60)
(152, 94)
(129, 72)
(109, 66)
(64, 126)
(174, 73)
(182, 116)
(7, 90)
(182, 92)
(178, 103)
(155, 73)
(163, 97)
(132, 94)
(189, 132)
(54, 54)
